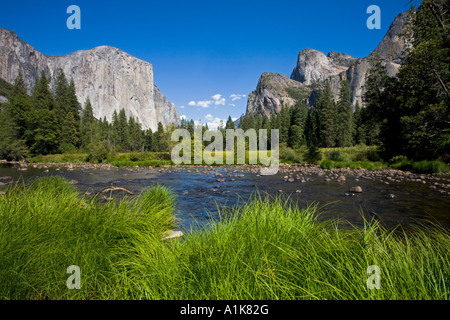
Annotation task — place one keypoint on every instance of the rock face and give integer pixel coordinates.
(273, 92)
(314, 68)
(111, 78)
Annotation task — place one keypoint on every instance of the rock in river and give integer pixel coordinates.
(357, 189)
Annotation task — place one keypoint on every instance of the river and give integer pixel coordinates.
(393, 197)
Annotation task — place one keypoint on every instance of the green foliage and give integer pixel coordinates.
(344, 117)
(269, 249)
(337, 155)
(5, 88)
(327, 164)
(411, 110)
(230, 123)
(424, 166)
(327, 116)
(368, 165)
(290, 155)
(297, 93)
(98, 152)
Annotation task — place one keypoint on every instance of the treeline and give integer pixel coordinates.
(328, 124)
(53, 122)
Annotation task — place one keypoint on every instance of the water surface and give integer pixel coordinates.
(200, 191)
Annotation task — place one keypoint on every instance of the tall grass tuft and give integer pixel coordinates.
(265, 249)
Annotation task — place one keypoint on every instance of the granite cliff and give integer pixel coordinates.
(314, 68)
(111, 78)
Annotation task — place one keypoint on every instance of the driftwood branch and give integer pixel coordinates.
(111, 188)
(433, 7)
(441, 82)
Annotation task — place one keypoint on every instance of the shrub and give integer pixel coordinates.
(372, 155)
(398, 159)
(336, 155)
(291, 156)
(67, 148)
(314, 154)
(17, 150)
(327, 164)
(98, 151)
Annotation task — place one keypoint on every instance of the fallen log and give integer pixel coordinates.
(111, 188)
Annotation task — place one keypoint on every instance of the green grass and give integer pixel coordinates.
(422, 166)
(369, 165)
(60, 158)
(267, 249)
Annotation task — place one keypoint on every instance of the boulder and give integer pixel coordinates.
(356, 189)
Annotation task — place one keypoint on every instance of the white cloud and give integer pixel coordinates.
(235, 97)
(232, 105)
(181, 107)
(214, 123)
(218, 100)
(182, 117)
(216, 96)
(203, 104)
(209, 117)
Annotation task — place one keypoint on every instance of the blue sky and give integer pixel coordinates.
(207, 55)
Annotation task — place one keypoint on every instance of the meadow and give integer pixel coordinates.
(360, 156)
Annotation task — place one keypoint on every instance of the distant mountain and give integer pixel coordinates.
(111, 78)
(314, 68)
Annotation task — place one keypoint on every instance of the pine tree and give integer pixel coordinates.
(88, 128)
(124, 135)
(299, 113)
(359, 134)
(327, 116)
(19, 107)
(43, 133)
(148, 139)
(72, 100)
(312, 136)
(61, 97)
(284, 124)
(42, 97)
(344, 118)
(115, 132)
(230, 123)
(422, 90)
